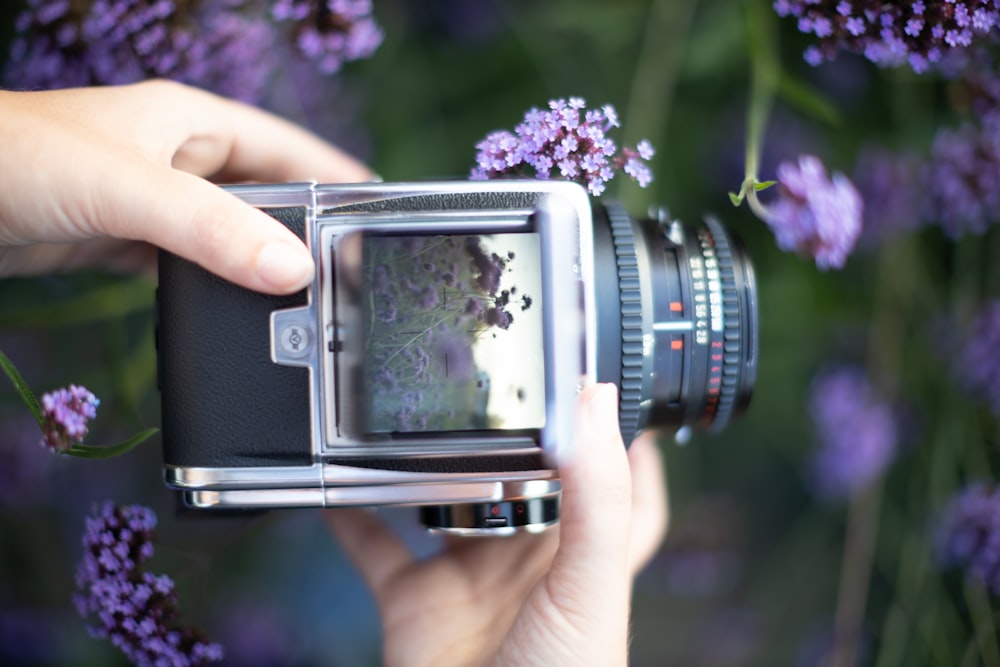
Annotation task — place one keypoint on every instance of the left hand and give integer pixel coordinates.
(98, 176)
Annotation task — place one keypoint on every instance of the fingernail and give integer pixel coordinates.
(284, 266)
(602, 410)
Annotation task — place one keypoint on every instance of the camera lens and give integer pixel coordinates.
(677, 320)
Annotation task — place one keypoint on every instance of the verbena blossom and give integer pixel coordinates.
(815, 214)
(856, 433)
(214, 45)
(963, 176)
(892, 187)
(65, 415)
(331, 32)
(891, 32)
(135, 610)
(978, 363)
(968, 534)
(558, 142)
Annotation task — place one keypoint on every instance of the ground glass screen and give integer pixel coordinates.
(453, 333)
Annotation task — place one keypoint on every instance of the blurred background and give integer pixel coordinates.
(763, 562)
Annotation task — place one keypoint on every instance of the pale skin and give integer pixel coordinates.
(100, 177)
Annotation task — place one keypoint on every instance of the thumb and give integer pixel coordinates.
(199, 221)
(579, 613)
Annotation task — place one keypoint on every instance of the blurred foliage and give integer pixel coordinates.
(755, 570)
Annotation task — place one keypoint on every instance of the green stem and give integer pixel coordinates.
(651, 95)
(23, 389)
(765, 70)
(855, 574)
(984, 624)
(110, 451)
(886, 359)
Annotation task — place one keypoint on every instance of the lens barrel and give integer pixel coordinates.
(677, 320)
(676, 331)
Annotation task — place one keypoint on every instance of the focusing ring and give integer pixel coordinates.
(732, 334)
(630, 298)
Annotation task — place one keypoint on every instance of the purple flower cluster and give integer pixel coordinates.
(856, 432)
(63, 44)
(559, 139)
(968, 534)
(134, 609)
(892, 188)
(331, 32)
(65, 413)
(978, 364)
(891, 32)
(963, 176)
(814, 214)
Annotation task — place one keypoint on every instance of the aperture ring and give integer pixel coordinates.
(732, 329)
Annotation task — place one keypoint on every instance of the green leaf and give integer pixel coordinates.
(22, 387)
(737, 199)
(808, 99)
(763, 185)
(107, 452)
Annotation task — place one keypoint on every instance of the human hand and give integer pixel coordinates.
(86, 173)
(559, 598)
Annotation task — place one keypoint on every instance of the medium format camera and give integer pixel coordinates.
(436, 358)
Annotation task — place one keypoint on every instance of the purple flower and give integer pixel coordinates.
(454, 350)
(65, 413)
(856, 433)
(499, 317)
(978, 364)
(891, 33)
(963, 176)
(62, 44)
(968, 534)
(489, 268)
(558, 143)
(331, 32)
(814, 214)
(135, 610)
(891, 185)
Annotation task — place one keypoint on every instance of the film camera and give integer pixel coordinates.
(436, 358)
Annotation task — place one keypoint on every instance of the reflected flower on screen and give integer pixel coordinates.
(856, 432)
(968, 534)
(815, 214)
(65, 415)
(558, 143)
(134, 609)
(891, 32)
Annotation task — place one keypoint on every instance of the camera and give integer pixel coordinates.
(436, 358)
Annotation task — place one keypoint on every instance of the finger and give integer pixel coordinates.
(596, 495)
(377, 553)
(234, 142)
(514, 563)
(650, 504)
(579, 613)
(204, 224)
